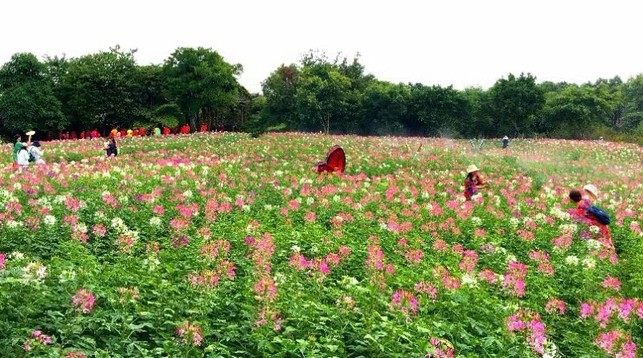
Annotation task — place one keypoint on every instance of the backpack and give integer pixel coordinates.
(599, 214)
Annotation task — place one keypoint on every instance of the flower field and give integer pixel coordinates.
(223, 245)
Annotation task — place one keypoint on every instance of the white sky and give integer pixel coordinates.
(459, 42)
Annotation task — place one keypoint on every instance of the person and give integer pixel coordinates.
(581, 212)
(590, 192)
(35, 153)
(505, 142)
(113, 133)
(166, 130)
(157, 131)
(142, 132)
(17, 147)
(473, 182)
(204, 127)
(23, 156)
(110, 148)
(130, 132)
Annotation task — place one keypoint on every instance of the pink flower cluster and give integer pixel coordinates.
(441, 349)
(449, 282)
(554, 305)
(405, 301)
(617, 343)
(83, 301)
(542, 259)
(376, 264)
(190, 334)
(488, 276)
(35, 340)
(2, 261)
(611, 282)
(128, 294)
(514, 280)
(469, 261)
(623, 308)
(265, 288)
(427, 288)
(531, 324)
(319, 266)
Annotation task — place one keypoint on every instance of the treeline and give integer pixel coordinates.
(195, 86)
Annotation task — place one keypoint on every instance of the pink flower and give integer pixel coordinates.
(99, 230)
(190, 334)
(83, 301)
(404, 301)
(488, 276)
(2, 261)
(310, 217)
(612, 282)
(555, 305)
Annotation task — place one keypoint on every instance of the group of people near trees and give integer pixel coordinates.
(132, 132)
(26, 152)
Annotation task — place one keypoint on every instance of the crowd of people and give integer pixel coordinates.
(133, 132)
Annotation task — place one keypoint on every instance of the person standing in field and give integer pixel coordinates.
(16, 147)
(473, 182)
(505, 142)
(157, 131)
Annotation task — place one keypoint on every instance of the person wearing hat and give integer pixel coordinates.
(35, 153)
(505, 142)
(473, 182)
(590, 192)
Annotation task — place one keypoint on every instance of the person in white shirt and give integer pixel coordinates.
(36, 153)
(23, 156)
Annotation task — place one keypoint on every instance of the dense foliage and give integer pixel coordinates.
(236, 248)
(197, 86)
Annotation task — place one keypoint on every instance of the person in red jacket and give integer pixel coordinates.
(204, 127)
(166, 130)
(581, 213)
(142, 132)
(82, 134)
(135, 132)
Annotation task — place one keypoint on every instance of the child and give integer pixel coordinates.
(36, 153)
(472, 182)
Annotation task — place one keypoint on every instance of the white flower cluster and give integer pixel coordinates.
(559, 214)
(589, 263)
(469, 281)
(571, 260)
(155, 221)
(593, 244)
(34, 272)
(476, 221)
(514, 222)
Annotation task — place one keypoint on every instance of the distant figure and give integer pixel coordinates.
(142, 132)
(157, 131)
(204, 127)
(110, 148)
(335, 161)
(473, 182)
(113, 133)
(505, 142)
(82, 135)
(166, 130)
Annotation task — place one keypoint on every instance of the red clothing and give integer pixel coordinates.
(142, 132)
(135, 132)
(166, 130)
(471, 186)
(82, 135)
(204, 127)
(123, 133)
(581, 213)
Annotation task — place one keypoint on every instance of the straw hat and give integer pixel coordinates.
(591, 189)
(505, 137)
(471, 168)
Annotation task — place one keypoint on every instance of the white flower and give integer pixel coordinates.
(514, 222)
(67, 276)
(245, 208)
(17, 186)
(295, 248)
(12, 224)
(310, 200)
(155, 221)
(593, 244)
(589, 263)
(187, 193)
(336, 198)
(49, 220)
(279, 278)
(17, 255)
(469, 280)
(511, 258)
(117, 222)
(34, 271)
(268, 207)
(571, 260)
(476, 221)
(594, 229)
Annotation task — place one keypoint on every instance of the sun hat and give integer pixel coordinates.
(592, 190)
(471, 168)
(505, 137)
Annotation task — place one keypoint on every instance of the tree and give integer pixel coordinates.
(514, 103)
(385, 106)
(633, 103)
(574, 111)
(437, 109)
(280, 93)
(101, 90)
(27, 99)
(200, 80)
(322, 97)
